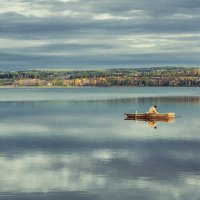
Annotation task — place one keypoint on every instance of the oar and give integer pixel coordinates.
(178, 116)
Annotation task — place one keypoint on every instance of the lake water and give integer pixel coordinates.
(75, 144)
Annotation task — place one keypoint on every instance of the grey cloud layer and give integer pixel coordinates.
(93, 33)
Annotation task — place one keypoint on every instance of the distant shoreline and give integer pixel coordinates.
(67, 87)
(129, 77)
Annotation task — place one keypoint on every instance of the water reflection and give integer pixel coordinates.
(152, 123)
(154, 167)
(85, 150)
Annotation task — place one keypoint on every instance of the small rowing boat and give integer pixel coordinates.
(150, 116)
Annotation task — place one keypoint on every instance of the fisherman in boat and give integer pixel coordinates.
(153, 110)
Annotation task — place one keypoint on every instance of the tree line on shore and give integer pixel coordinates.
(162, 76)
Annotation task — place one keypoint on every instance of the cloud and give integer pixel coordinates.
(161, 34)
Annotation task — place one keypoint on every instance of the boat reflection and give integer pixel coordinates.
(153, 123)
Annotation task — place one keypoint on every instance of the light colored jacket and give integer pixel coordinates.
(152, 110)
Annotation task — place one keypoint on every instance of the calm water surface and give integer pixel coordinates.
(75, 144)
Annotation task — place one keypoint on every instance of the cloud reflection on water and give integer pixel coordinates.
(86, 150)
(150, 167)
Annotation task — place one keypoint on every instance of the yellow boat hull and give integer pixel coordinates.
(151, 117)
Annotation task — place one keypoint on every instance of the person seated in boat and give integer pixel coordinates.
(153, 110)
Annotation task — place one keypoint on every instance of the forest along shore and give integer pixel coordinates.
(162, 76)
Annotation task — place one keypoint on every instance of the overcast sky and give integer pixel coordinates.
(98, 33)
